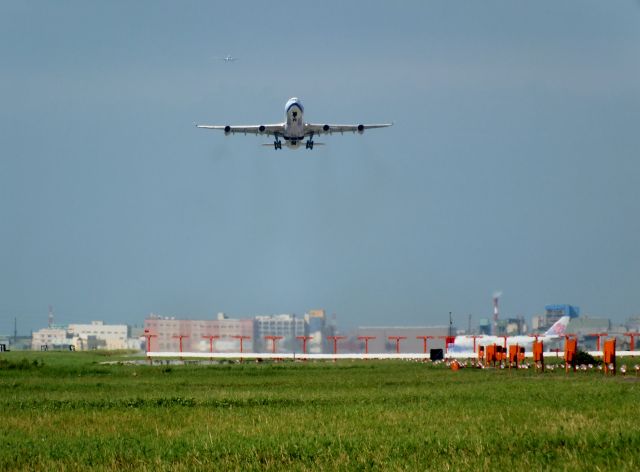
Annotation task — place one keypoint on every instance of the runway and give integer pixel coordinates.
(352, 356)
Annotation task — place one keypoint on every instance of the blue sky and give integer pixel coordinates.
(513, 163)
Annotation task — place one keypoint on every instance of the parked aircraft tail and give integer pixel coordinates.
(559, 327)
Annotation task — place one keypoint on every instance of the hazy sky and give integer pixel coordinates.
(513, 164)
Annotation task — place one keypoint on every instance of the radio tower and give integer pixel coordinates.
(50, 316)
(496, 297)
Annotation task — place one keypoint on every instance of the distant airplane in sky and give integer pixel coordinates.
(229, 58)
(294, 130)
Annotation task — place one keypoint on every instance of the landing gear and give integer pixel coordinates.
(309, 144)
(277, 144)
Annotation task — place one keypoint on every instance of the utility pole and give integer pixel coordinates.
(450, 325)
(293, 334)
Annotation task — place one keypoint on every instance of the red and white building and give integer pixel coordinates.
(167, 331)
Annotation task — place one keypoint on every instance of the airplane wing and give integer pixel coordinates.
(267, 130)
(317, 128)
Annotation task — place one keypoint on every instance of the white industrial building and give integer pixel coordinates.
(98, 335)
(49, 338)
(95, 335)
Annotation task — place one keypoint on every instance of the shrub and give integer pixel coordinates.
(583, 357)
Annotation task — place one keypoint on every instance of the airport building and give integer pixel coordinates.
(511, 326)
(586, 325)
(383, 338)
(285, 326)
(554, 312)
(15, 342)
(168, 332)
(484, 326)
(633, 324)
(541, 323)
(319, 329)
(588, 328)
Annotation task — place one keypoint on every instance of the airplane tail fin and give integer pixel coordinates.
(559, 327)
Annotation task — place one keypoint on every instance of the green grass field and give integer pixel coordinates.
(66, 411)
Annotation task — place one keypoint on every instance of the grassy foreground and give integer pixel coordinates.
(65, 411)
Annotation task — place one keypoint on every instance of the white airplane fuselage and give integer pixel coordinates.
(470, 343)
(466, 343)
(294, 123)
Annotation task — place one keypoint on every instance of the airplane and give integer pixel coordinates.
(229, 58)
(465, 343)
(294, 129)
